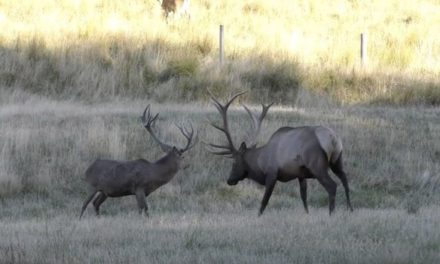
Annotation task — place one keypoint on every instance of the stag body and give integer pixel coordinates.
(291, 153)
(113, 178)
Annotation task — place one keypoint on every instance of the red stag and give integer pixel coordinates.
(114, 178)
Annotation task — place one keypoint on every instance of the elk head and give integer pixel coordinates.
(240, 167)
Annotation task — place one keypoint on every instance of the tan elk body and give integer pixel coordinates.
(176, 7)
(114, 178)
(291, 153)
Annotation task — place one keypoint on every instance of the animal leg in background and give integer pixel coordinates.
(303, 191)
(87, 201)
(269, 188)
(98, 201)
(140, 198)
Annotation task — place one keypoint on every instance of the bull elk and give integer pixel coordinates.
(177, 7)
(114, 178)
(291, 153)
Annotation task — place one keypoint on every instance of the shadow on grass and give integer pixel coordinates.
(155, 69)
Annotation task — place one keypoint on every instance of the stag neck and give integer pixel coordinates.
(168, 164)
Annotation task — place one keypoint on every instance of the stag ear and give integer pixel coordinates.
(243, 147)
(177, 151)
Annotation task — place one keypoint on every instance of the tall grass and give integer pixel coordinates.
(104, 49)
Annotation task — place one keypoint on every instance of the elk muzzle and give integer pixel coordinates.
(232, 182)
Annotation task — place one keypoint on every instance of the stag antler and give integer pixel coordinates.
(223, 109)
(256, 122)
(148, 122)
(188, 134)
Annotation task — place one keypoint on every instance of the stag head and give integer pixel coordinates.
(240, 167)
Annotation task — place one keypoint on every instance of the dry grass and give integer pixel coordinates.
(281, 236)
(44, 141)
(75, 76)
(46, 145)
(101, 49)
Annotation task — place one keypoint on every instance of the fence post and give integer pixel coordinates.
(221, 43)
(363, 49)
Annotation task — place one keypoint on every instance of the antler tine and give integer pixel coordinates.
(223, 109)
(226, 152)
(233, 98)
(148, 122)
(195, 140)
(188, 134)
(217, 146)
(145, 112)
(256, 121)
(252, 116)
(264, 110)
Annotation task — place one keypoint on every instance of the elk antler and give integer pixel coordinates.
(223, 109)
(256, 122)
(148, 122)
(188, 134)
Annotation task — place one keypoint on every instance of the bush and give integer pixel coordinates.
(179, 68)
(277, 82)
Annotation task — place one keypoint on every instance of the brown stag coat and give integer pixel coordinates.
(115, 178)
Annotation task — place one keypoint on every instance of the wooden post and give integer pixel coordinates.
(221, 43)
(363, 49)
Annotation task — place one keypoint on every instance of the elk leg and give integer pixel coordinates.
(330, 187)
(269, 188)
(338, 170)
(342, 176)
(98, 201)
(140, 198)
(303, 191)
(87, 201)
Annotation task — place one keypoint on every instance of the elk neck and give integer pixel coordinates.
(255, 172)
(168, 165)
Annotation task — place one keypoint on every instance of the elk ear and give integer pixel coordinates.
(243, 147)
(177, 151)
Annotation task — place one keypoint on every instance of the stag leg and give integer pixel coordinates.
(98, 201)
(269, 188)
(330, 187)
(87, 201)
(140, 198)
(303, 191)
(338, 170)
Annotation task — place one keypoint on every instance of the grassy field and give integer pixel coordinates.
(280, 236)
(99, 49)
(75, 76)
(390, 154)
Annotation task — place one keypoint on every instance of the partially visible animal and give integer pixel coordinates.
(115, 178)
(291, 153)
(176, 7)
